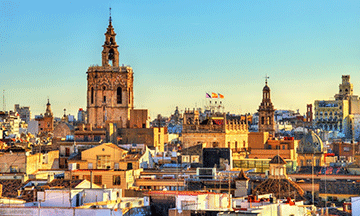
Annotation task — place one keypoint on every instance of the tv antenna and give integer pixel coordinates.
(4, 104)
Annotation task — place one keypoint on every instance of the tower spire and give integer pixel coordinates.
(110, 54)
(110, 16)
(266, 79)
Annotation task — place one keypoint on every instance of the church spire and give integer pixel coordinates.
(110, 54)
(110, 16)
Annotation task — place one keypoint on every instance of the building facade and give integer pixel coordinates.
(24, 112)
(214, 131)
(110, 87)
(46, 121)
(338, 114)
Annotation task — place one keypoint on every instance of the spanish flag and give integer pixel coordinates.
(214, 95)
(221, 96)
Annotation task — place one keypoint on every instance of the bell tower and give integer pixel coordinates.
(110, 53)
(266, 112)
(110, 95)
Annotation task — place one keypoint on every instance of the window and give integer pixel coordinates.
(236, 145)
(262, 120)
(116, 166)
(14, 169)
(98, 179)
(75, 177)
(185, 159)
(195, 158)
(116, 180)
(67, 152)
(90, 165)
(129, 166)
(111, 56)
(129, 96)
(119, 95)
(92, 95)
(45, 159)
(103, 162)
(104, 99)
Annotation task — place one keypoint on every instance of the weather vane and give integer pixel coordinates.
(266, 78)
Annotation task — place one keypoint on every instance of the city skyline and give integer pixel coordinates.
(181, 50)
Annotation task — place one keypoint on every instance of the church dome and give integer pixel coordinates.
(311, 143)
(266, 88)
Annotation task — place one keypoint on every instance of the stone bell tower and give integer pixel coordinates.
(110, 95)
(266, 112)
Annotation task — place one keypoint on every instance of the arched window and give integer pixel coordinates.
(119, 95)
(111, 40)
(111, 56)
(129, 96)
(262, 120)
(92, 95)
(268, 120)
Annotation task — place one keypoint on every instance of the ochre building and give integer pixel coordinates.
(214, 131)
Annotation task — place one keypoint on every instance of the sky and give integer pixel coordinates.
(180, 50)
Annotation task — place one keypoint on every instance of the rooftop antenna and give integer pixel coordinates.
(4, 104)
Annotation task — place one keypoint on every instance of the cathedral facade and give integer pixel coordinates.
(110, 87)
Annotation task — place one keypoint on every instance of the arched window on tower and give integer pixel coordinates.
(119, 95)
(129, 95)
(111, 41)
(92, 95)
(262, 120)
(111, 56)
(268, 120)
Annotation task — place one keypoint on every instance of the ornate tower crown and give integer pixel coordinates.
(48, 112)
(110, 53)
